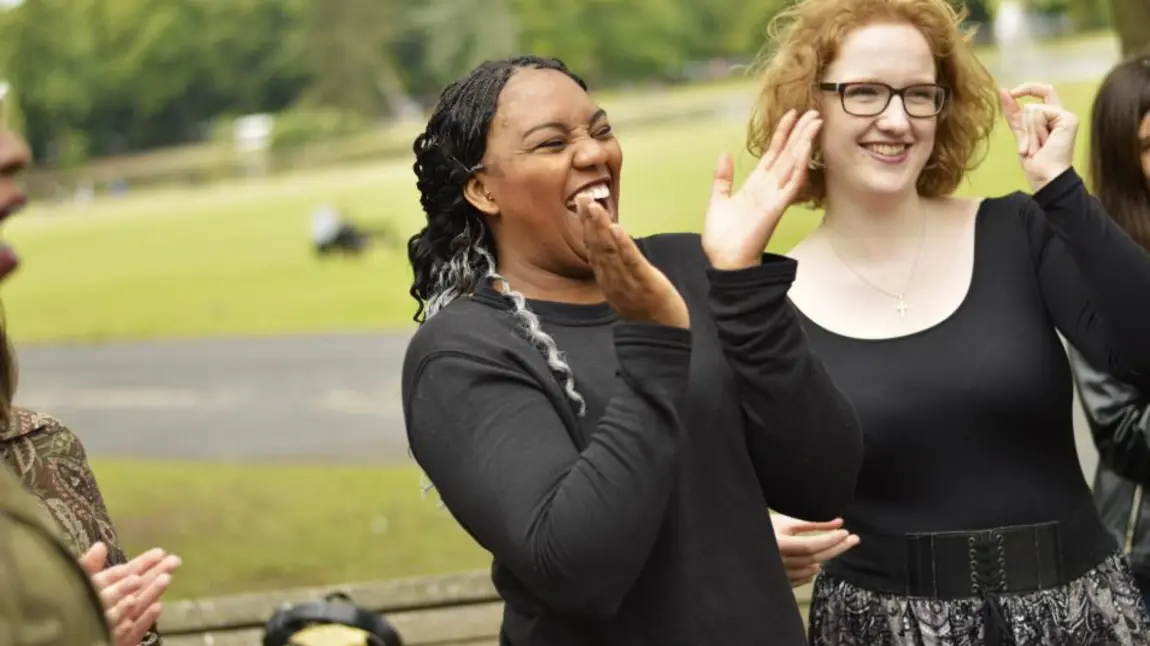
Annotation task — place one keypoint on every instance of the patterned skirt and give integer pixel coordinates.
(1101, 608)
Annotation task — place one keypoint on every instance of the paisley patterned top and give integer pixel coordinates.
(52, 464)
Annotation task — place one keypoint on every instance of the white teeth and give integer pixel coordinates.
(596, 192)
(887, 150)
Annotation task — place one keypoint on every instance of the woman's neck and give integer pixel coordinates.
(537, 284)
(866, 228)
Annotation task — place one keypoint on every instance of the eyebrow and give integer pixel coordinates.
(871, 79)
(599, 114)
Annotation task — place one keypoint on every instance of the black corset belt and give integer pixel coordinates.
(958, 565)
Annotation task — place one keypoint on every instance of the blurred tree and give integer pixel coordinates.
(1132, 22)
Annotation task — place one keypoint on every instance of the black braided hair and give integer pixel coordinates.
(444, 255)
(456, 250)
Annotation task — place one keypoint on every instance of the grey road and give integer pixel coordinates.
(332, 398)
(316, 398)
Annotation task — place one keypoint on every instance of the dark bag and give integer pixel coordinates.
(335, 621)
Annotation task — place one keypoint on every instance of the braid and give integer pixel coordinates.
(540, 339)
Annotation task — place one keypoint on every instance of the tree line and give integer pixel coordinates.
(106, 77)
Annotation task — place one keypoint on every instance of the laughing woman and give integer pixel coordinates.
(611, 418)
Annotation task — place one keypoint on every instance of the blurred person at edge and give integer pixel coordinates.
(1118, 413)
(50, 463)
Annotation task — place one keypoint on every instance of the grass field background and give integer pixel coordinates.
(233, 258)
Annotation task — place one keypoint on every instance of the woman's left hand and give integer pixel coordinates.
(1045, 132)
(738, 227)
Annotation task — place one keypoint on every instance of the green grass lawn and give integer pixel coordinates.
(245, 528)
(233, 258)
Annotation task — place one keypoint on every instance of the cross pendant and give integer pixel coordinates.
(902, 308)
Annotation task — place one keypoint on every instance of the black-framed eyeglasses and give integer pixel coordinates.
(870, 99)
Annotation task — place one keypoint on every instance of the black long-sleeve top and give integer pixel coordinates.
(645, 521)
(968, 424)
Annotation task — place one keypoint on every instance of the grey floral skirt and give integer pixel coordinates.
(1101, 608)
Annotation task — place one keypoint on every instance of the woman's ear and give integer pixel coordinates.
(476, 192)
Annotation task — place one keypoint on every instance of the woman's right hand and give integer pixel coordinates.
(804, 546)
(634, 288)
(130, 591)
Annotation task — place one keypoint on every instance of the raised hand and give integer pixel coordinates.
(1045, 131)
(802, 553)
(130, 591)
(738, 227)
(635, 289)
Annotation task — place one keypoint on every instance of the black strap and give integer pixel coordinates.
(336, 609)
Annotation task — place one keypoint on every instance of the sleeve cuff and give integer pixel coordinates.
(651, 334)
(1065, 182)
(774, 270)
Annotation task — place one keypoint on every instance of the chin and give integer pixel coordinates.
(888, 186)
(890, 182)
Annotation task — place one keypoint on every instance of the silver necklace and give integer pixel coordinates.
(901, 306)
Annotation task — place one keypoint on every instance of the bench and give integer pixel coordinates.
(450, 610)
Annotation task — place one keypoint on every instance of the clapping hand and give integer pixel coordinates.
(634, 288)
(738, 227)
(804, 546)
(131, 591)
(1045, 132)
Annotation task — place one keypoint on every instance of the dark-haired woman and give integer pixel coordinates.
(1118, 413)
(611, 418)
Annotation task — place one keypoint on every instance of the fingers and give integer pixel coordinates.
(782, 158)
(802, 576)
(1013, 113)
(119, 599)
(836, 550)
(792, 168)
(150, 593)
(792, 130)
(1031, 122)
(1039, 127)
(796, 562)
(794, 526)
(806, 546)
(1036, 124)
(1041, 91)
(724, 177)
(93, 560)
(146, 567)
(146, 561)
(597, 235)
(1010, 105)
(781, 135)
(803, 131)
(132, 633)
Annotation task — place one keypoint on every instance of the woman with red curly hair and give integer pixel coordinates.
(939, 318)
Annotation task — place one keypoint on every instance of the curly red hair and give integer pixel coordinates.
(807, 37)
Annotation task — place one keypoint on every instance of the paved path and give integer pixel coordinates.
(330, 397)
